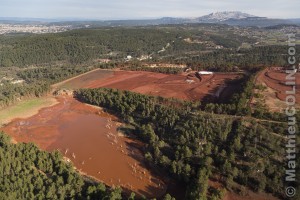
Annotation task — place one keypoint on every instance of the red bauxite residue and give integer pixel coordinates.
(183, 86)
(89, 138)
(186, 86)
(276, 79)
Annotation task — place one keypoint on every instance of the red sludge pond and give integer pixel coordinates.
(89, 138)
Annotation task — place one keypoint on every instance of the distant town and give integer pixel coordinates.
(32, 28)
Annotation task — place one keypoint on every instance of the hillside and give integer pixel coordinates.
(182, 110)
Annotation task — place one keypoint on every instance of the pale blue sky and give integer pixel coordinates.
(137, 9)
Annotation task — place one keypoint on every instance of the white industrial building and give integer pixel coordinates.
(205, 72)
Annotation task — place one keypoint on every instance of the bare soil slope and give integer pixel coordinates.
(183, 86)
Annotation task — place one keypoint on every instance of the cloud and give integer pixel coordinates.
(133, 9)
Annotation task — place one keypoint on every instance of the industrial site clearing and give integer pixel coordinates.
(192, 85)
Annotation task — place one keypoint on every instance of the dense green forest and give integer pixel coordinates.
(195, 146)
(37, 82)
(226, 60)
(165, 70)
(159, 44)
(11, 93)
(79, 46)
(52, 74)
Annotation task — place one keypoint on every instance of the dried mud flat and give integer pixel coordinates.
(89, 138)
(182, 86)
(275, 94)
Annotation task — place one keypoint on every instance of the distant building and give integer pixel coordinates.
(104, 60)
(205, 72)
(128, 58)
(18, 81)
(219, 47)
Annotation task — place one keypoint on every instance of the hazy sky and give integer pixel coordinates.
(133, 9)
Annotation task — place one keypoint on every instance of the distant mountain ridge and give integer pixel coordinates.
(222, 16)
(235, 18)
(238, 18)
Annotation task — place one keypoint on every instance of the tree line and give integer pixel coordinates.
(37, 82)
(86, 45)
(195, 146)
(227, 60)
